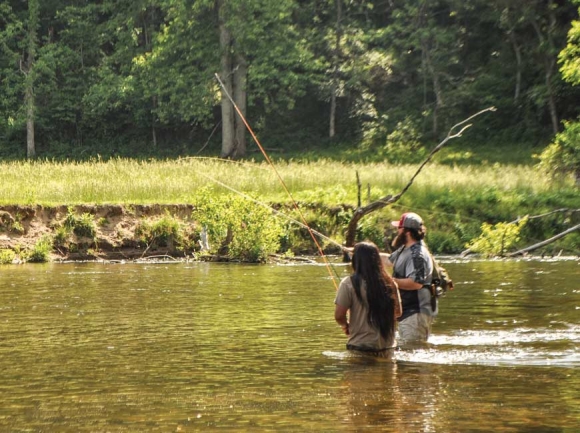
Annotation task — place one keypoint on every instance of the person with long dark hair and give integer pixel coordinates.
(372, 298)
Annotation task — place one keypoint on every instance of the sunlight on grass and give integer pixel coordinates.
(177, 181)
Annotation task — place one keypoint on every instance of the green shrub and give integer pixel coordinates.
(82, 225)
(372, 228)
(497, 239)
(61, 235)
(17, 227)
(238, 227)
(440, 242)
(41, 250)
(571, 242)
(404, 143)
(562, 156)
(165, 232)
(6, 256)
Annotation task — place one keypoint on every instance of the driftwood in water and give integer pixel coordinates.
(539, 244)
(546, 242)
(360, 212)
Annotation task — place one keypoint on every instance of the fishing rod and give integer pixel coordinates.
(281, 214)
(275, 211)
(250, 130)
(258, 202)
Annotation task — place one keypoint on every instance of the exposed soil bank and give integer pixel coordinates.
(115, 230)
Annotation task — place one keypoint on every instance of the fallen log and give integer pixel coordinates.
(544, 243)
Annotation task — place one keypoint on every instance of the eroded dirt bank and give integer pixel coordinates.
(110, 232)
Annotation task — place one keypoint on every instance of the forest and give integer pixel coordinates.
(138, 78)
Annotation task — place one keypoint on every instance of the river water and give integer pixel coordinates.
(91, 347)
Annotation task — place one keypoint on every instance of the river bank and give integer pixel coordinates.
(124, 209)
(124, 232)
(108, 232)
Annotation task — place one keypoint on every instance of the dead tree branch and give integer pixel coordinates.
(360, 212)
(544, 243)
(517, 220)
(538, 245)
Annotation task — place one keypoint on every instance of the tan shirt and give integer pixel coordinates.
(361, 333)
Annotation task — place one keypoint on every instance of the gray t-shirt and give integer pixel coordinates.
(361, 333)
(415, 263)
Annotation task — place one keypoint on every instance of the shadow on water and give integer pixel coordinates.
(200, 346)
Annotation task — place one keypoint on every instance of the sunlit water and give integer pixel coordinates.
(208, 347)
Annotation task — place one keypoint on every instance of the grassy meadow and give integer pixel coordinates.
(454, 200)
(178, 181)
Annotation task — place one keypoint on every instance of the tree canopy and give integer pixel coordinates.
(137, 77)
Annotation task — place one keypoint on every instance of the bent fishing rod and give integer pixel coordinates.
(251, 131)
(275, 211)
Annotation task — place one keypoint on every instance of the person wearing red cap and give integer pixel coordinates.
(412, 271)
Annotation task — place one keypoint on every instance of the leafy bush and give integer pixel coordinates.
(496, 239)
(41, 251)
(82, 225)
(6, 256)
(404, 143)
(17, 227)
(570, 242)
(61, 235)
(165, 232)
(441, 242)
(372, 228)
(328, 221)
(562, 156)
(238, 227)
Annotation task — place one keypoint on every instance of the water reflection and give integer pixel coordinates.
(199, 346)
(380, 394)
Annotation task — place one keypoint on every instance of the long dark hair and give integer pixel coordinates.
(368, 267)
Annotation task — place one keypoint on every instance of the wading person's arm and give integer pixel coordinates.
(398, 304)
(408, 284)
(340, 317)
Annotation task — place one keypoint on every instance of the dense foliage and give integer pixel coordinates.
(237, 227)
(136, 77)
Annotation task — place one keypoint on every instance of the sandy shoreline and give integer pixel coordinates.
(115, 230)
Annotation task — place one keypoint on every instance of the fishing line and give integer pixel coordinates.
(277, 213)
(328, 266)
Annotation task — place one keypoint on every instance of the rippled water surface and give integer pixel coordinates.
(90, 347)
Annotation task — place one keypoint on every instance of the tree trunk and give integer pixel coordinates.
(518, 53)
(436, 86)
(332, 120)
(33, 17)
(336, 60)
(549, 64)
(228, 145)
(551, 99)
(30, 144)
(240, 98)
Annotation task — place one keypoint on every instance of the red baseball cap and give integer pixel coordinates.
(409, 220)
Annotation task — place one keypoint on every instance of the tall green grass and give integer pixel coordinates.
(177, 181)
(454, 200)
